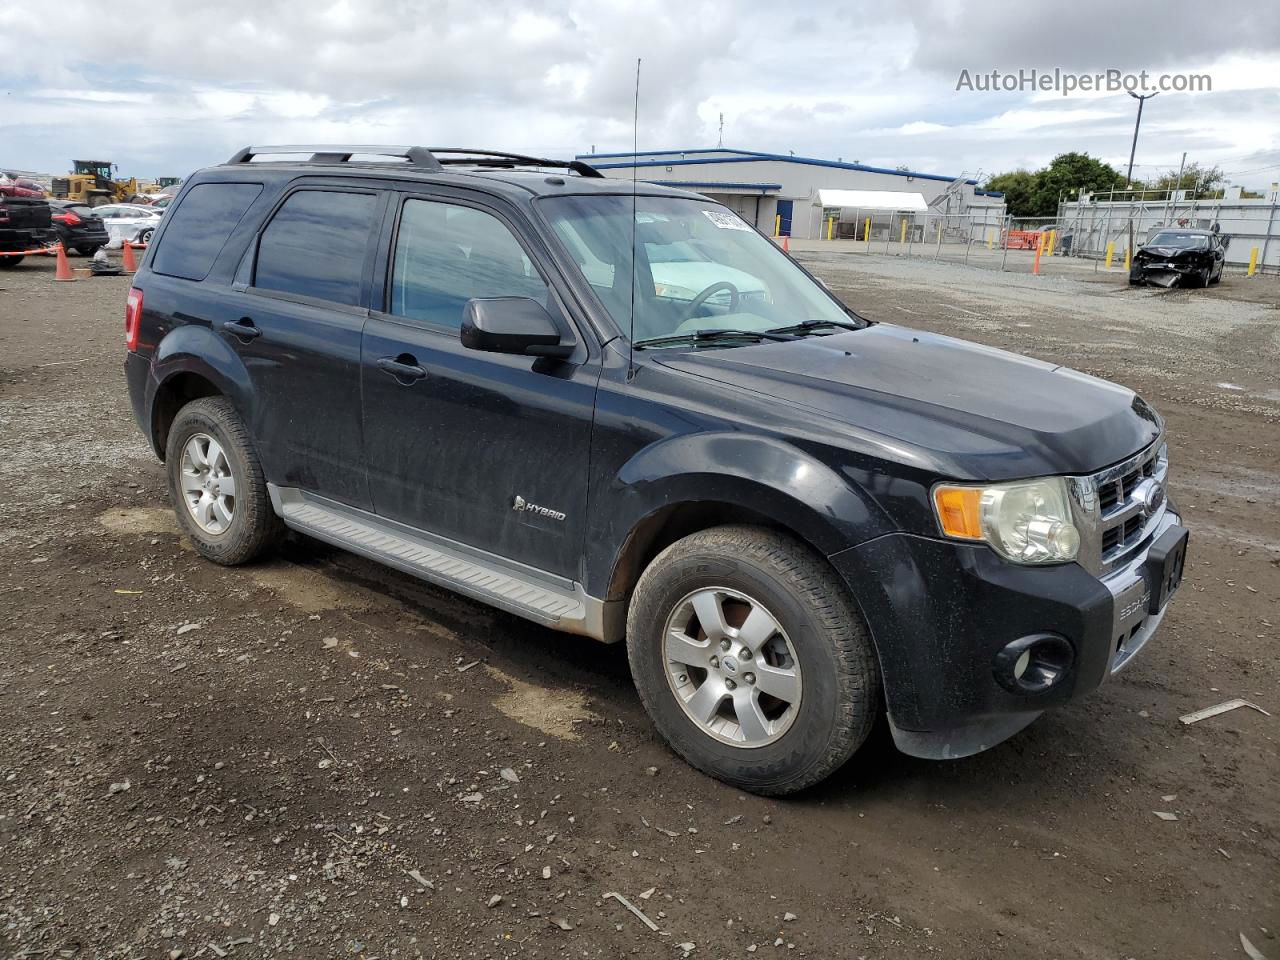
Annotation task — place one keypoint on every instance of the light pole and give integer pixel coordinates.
(1138, 123)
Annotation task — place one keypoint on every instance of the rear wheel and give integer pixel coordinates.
(216, 483)
(88, 251)
(751, 659)
(11, 261)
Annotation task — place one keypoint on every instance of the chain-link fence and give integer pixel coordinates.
(1250, 228)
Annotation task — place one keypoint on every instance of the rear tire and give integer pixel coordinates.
(812, 632)
(208, 452)
(6, 262)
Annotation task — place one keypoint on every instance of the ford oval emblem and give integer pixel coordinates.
(1151, 496)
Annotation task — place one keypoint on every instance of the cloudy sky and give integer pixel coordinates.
(179, 85)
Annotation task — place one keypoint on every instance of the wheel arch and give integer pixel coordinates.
(192, 362)
(744, 479)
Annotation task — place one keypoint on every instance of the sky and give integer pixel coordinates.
(188, 84)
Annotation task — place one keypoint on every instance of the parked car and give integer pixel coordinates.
(78, 227)
(14, 185)
(128, 221)
(795, 517)
(25, 225)
(1180, 257)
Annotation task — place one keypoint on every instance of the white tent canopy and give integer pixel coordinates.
(874, 200)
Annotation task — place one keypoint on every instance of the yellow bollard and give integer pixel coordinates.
(1048, 250)
(777, 224)
(866, 233)
(1128, 260)
(831, 223)
(903, 237)
(1111, 249)
(1253, 261)
(990, 239)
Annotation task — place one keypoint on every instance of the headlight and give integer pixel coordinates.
(1027, 522)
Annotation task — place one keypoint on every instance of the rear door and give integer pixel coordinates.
(300, 305)
(455, 449)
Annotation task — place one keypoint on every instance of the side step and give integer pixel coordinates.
(543, 598)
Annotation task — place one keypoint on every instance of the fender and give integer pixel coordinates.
(195, 348)
(761, 473)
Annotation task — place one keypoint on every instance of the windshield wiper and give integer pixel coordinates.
(703, 336)
(806, 325)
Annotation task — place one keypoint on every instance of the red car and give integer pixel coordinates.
(12, 185)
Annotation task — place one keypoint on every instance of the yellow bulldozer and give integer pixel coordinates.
(93, 182)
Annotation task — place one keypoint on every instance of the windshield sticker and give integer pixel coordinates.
(725, 220)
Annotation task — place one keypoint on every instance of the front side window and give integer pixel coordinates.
(447, 254)
(315, 246)
(696, 267)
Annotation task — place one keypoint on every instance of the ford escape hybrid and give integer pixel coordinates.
(629, 415)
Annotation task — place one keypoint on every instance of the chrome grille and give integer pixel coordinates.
(1114, 507)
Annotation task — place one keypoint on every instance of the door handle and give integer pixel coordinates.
(404, 368)
(242, 328)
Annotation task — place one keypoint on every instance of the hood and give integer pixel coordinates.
(1171, 253)
(958, 408)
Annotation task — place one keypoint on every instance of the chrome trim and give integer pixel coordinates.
(1093, 522)
(1130, 592)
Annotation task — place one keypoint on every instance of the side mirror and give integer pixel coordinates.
(512, 325)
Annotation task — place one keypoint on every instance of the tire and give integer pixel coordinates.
(253, 525)
(1216, 278)
(145, 235)
(6, 262)
(838, 680)
(88, 250)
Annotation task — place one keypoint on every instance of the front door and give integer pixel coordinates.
(461, 443)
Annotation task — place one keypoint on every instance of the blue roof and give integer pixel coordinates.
(743, 156)
(728, 185)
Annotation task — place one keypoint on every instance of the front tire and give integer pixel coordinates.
(751, 659)
(216, 483)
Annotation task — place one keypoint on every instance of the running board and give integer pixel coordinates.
(543, 598)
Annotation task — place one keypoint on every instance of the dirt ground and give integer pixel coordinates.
(317, 757)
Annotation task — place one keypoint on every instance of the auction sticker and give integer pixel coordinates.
(725, 220)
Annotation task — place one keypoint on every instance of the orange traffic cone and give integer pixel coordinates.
(63, 271)
(130, 265)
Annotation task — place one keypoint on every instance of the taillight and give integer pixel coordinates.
(69, 218)
(132, 319)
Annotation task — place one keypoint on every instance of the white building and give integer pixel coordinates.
(781, 192)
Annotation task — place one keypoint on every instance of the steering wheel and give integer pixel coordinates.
(708, 293)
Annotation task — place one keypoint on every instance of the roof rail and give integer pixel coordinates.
(425, 157)
(496, 158)
(342, 153)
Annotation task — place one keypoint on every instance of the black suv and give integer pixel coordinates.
(619, 410)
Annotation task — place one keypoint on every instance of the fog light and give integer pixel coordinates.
(1033, 664)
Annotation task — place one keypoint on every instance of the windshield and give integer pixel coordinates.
(699, 267)
(1186, 241)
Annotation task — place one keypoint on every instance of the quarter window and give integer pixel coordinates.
(448, 254)
(315, 246)
(198, 227)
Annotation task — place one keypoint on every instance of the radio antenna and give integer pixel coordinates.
(635, 159)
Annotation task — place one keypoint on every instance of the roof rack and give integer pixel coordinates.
(424, 157)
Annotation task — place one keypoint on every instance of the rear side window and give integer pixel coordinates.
(315, 246)
(199, 226)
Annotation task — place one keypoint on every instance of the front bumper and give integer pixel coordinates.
(940, 611)
(1165, 273)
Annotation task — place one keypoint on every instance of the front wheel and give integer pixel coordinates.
(751, 659)
(216, 483)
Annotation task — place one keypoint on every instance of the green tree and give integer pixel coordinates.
(1037, 194)
(1018, 187)
(1205, 181)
